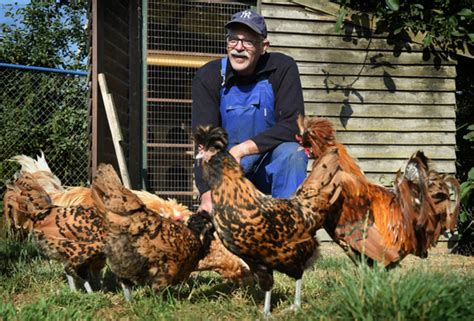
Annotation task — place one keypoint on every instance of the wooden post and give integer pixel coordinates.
(114, 126)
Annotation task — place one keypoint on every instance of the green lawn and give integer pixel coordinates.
(439, 288)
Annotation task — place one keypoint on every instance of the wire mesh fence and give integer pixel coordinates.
(44, 110)
(181, 37)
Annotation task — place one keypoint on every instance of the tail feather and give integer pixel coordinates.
(169, 208)
(40, 171)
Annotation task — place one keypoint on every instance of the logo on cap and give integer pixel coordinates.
(246, 14)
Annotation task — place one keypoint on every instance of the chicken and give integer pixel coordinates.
(383, 225)
(219, 259)
(16, 221)
(71, 235)
(142, 246)
(229, 266)
(267, 233)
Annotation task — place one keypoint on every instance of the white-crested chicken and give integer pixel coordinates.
(72, 235)
(381, 224)
(269, 234)
(219, 259)
(142, 246)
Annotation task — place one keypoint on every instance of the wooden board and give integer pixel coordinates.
(401, 151)
(336, 42)
(401, 138)
(330, 55)
(393, 165)
(396, 125)
(289, 10)
(369, 69)
(385, 82)
(382, 110)
(379, 97)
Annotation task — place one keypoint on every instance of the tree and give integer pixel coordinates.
(45, 111)
(447, 24)
(47, 34)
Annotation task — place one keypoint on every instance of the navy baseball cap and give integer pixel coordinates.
(251, 19)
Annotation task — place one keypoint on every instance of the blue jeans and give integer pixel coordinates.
(278, 172)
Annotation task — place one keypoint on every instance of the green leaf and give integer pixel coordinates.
(418, 5)
(393, 4)
(470, 175)
(469, 136)
(466, 13)
(471, 127)
(466, 190)
(398, 30)
(340, 18)
(427, 40)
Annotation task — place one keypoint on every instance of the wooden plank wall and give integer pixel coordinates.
(385, 101)
(117, 56)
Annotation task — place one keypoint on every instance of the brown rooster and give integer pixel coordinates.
(376, 222)
(219, 259)
(267, 233)
(142, 246)
(72, 235)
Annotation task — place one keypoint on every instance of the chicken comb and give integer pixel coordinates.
(210, 136)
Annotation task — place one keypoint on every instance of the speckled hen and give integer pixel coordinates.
(142, 246)
(72, 235)
(269, 234)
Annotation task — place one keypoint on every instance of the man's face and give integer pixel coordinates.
(244, 48)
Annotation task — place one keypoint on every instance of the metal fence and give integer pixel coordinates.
(180, 38)
(43, 109)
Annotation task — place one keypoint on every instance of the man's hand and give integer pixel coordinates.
(243, 149)
(206, 202)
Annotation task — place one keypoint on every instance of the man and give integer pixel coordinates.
(255, 96)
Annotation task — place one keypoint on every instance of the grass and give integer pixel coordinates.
(439, 288)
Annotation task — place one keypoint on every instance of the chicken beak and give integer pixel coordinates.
(200, 155)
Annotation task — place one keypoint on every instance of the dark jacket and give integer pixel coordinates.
(282, 73)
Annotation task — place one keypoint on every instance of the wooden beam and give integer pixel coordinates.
(114, 129)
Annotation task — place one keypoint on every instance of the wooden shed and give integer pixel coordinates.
(386, 97)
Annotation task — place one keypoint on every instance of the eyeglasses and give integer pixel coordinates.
(232, 42)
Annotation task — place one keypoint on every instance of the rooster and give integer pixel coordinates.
(219, 259)
(72, 235)
(267, 233)
(372, 221)
(142, 246)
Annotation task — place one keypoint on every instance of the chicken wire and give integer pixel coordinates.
(183, 30)
(44, 111)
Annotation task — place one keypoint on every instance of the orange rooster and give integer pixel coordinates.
(383, 225)
(267, 233)
(219, 259)
(72, 235)
(142, 246)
